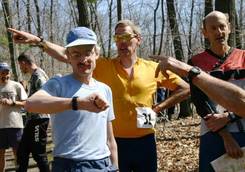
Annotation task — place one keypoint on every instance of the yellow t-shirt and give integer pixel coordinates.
(131, 93)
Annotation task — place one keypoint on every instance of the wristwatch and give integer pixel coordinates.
(74, 104)
(42, 43)
(193, 72)
(13, 103)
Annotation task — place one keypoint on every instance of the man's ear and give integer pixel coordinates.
(139, 39)
(204, 32)
(67, 55)
(229, 27)
(97, 55)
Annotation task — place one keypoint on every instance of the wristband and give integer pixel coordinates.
(74, 104)
(42, 44)
(13, 103)
(193, 72)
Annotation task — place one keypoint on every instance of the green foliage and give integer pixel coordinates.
(91, 1)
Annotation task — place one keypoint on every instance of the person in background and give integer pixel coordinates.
(34, 137)
(12, 98)
(222, 92)
(226, 63)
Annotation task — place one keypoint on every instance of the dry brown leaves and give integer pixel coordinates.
(177, 145)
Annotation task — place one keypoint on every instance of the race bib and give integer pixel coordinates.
(146, 117)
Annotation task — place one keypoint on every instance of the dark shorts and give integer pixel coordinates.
(10, 137)
(137, 154)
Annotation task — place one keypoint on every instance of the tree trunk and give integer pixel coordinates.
(94, 11)
(119, 10)
(51, 37)
(238, 33)
(39, 30)
(18, 14)
(155, 28)
(82, 6)
(175, 30)
(74, 16)
(8, 23)
(208, 8)
(241, 25)
(110, 3)
(184, 105)
(190, 31)
(28, 13)
(162, 28)
(228, 6)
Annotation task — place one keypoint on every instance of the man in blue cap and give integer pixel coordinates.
(83, 110)
(12, 97)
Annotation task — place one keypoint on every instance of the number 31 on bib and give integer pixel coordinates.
(146, 117)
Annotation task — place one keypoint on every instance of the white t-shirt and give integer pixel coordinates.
(80, 135)
(10, 116)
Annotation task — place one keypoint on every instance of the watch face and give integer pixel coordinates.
(195, 70)
(193, 73)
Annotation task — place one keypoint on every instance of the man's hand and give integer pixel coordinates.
(170, 63)
(7, 102)
(93, 103)
(22, 37)
(216, 121)
(231, 146)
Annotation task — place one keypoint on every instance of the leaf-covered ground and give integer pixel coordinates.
(177, 144)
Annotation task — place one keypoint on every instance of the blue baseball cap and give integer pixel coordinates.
(81, 36)
(4, 66)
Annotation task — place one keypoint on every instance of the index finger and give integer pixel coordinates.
(14, 30)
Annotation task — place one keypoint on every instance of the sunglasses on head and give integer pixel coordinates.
(124, 37)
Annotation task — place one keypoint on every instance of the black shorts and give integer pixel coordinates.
(10, 137)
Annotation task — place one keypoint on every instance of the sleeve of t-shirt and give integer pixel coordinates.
(39, 82)
(53, 87)
(171, 82)
(21, 93)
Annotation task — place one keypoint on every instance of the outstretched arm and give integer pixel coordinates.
(42, 102)
(178, 95)
(224, 93)
(54, 50)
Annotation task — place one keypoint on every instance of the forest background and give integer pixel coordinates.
(169, 27)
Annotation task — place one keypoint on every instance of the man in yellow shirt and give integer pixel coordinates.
(133, 85)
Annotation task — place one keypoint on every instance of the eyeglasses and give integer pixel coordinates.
(123, 37)
(77, 55)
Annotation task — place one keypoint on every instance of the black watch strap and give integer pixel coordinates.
(74, 104)
(193, 72)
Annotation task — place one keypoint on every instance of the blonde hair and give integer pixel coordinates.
(129, 23)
